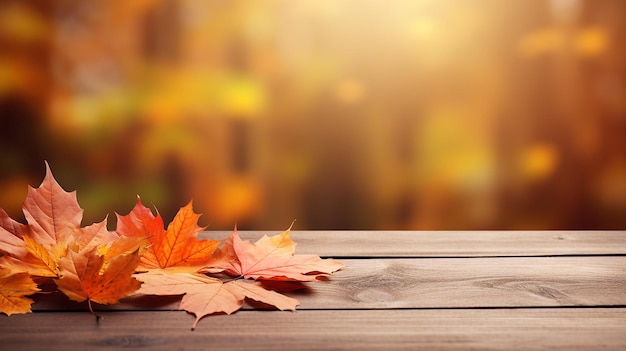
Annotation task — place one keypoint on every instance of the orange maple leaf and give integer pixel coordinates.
(90, 263)
(50, 211)
(13, 248)
(53, 217)
(205, 295)
(177, 246)
(14, 287)
(9, 224)
(270, 258)
(51, 214)
(87, 262)
(95, 275)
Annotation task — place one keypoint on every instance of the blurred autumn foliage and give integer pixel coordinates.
(408, 114)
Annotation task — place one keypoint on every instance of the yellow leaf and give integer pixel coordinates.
(14, 287)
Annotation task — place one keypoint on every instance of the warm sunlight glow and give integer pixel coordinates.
(421, 114)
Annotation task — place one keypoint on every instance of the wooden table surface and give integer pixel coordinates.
(399, 290)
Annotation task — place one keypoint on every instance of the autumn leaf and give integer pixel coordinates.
(91, 274)
(177, 246)
(90, 263)
(14, 287)
(50, 211)
(51, 214)
(270, 258)
(203, 295)
(175, 256)
(13, 248)
(12, 226)
(93, 264)
(53, 217)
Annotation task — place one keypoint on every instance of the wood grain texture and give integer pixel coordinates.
(447, 282)
(509, 329)
(399, 290)
(476, 282)
(447, 243)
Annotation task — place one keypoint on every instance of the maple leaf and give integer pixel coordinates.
(14, 287)
(270, 258)
(95, 275)
(53, 217)
(9, 224)
(203, 295)
(11, 236)
(90, 263)
(14, 250)
(51, 211)
(177, 246)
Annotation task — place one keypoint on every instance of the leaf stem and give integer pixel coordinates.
(98, 317)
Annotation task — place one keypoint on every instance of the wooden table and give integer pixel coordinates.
(400, 290)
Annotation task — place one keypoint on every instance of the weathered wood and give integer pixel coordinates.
(447, 243)
(475, 282)
(398, 291)
(450, 282)
(478, 329)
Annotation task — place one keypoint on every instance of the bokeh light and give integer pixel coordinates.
(416, 114)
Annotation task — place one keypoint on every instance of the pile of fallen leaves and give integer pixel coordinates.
(140, 257)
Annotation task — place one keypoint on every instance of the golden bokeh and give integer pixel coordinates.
(420, 114)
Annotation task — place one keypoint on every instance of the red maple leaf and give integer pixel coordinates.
(177, 246)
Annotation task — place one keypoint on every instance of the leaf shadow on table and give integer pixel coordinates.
(152, 302)
(288, 288)
(292, 288)
(56, 301)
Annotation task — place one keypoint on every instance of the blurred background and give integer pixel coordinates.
(344, 114)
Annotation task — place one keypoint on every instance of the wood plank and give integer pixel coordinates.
(476, 282)
(449, 283)
(448, 243)
(528, 329)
